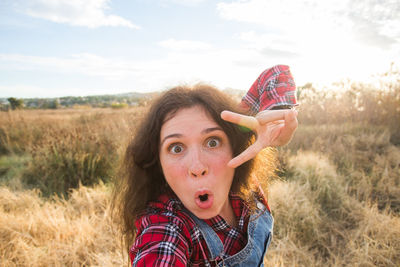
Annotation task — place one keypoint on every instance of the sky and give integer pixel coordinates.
(54, 48)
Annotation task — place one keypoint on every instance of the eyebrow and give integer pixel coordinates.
(178, 135)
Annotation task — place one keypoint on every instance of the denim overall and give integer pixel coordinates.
(259, 234)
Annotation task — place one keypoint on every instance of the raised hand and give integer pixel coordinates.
(272, 128)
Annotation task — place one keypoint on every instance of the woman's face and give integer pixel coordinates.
(194, 152)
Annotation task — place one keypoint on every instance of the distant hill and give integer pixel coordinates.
(110, 100)
(126, 99)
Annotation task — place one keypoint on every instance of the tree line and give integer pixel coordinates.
(102, 101)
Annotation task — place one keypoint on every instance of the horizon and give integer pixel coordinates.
(64, 96)
(110, 94)
(59, 48)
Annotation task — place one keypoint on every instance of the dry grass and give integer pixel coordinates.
(336, 201)
(317, 223)
(66, 147)
(22, 130)
(58, 232)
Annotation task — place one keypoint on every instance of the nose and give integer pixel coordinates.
(197, 166)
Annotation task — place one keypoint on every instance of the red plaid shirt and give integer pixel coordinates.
(168, 236)
(273, 88)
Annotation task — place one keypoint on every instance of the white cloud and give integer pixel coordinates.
(223, 67)
(183, 2)
(322, 40)
(371, 22)
(87, 64)
(269, 44)
(87, 13)
(184, 45)
(278, 14)
(294, 20)
(29, 91)
(376, 23)
(234, 68)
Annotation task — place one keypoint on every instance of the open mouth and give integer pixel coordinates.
(204, 199)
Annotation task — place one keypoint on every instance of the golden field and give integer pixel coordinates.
(335, 199)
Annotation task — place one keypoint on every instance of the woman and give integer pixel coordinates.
(190, 197)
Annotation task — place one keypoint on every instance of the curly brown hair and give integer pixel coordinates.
(142, 179)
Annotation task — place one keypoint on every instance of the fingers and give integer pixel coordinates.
(266, 116)
(243, 120)
(288, 130)
(281, 125)
(277, 122)
(275, 130)
(246, 155)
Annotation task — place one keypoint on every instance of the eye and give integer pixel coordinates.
(213, 142)
(175, 148)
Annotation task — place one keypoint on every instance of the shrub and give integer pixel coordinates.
(119, 105)
(70, 158)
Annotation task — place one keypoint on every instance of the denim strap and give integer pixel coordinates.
(212, 239)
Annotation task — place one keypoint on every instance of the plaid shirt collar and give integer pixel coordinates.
(154, 232)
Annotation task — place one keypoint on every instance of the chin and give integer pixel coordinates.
(205, 214)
